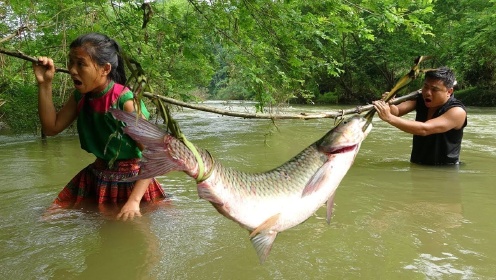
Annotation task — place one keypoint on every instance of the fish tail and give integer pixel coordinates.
(160, 153)
(140, 129)
(156, 163)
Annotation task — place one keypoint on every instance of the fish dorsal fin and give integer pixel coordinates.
(315, 183)
(262, 237)
(330, 206)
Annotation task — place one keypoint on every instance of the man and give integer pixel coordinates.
(438, 126)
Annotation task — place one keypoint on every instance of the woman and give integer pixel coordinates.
(97, 70)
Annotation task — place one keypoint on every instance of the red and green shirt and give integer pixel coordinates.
(99, 132)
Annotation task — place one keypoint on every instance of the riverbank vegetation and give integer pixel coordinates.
(332, 51)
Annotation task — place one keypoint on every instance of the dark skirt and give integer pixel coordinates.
(98, 185)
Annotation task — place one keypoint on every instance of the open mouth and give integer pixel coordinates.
(342, 150)
(77, 82)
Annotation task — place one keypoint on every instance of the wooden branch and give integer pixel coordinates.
(301, 116)
(14, 34)
(21, 55)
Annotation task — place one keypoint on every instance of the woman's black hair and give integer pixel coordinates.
(102, 50)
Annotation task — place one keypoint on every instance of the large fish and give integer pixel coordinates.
(264, 203)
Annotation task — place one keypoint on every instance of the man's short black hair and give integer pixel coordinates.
(444, 74)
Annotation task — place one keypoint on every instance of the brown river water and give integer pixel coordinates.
(392, 219)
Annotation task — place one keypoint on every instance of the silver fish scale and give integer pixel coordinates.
(287, 178)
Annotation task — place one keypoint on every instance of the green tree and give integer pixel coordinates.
(346, 51)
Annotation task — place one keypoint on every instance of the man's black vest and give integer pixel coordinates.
(440, 148)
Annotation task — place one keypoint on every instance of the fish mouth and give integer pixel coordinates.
(342, 149)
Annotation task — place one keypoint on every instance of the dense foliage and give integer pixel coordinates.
(339, 51)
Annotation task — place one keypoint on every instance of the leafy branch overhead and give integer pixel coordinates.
(139, 85)
(267, 51)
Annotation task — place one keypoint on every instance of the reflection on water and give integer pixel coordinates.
(432, 210)
(392, 219)
(130, 243)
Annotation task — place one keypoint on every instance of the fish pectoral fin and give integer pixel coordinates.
(263, 243)
(330, 206)
(315, 183)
